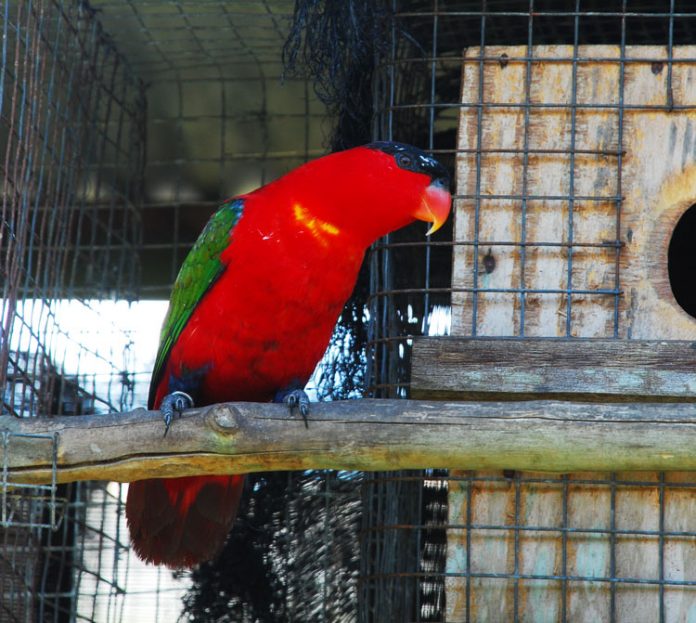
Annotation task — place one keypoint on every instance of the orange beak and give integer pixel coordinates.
(434, 207)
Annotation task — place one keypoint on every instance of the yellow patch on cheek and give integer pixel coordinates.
(321, 230)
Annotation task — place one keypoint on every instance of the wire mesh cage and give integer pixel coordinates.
(222, 118)
(73, 155)
(71, 134)
(567, 126)
(542, 109)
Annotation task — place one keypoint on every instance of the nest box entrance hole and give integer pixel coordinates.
(681, 261)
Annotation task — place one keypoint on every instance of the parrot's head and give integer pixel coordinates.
(412, 172)
(366, 192)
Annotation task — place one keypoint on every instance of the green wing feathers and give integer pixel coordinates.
(198, 273)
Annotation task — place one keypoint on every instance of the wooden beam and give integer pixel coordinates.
(500, 368)
(361, 435)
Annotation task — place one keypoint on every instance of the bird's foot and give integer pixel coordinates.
(174, 403)
(295, 398)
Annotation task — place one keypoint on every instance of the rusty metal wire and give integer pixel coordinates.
(469, 546)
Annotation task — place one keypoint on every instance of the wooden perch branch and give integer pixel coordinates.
(361, 435)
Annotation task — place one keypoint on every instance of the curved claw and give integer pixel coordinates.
(297, 398)
(176, 402)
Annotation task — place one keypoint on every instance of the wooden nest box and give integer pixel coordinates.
(574, 168)
(576, 165)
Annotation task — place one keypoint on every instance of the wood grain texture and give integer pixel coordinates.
(625, 369)
(564, 554)
(566, 185)
(363, 435)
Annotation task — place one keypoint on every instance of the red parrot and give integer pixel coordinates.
(253, 308)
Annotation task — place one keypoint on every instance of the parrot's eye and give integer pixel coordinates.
(404, 161)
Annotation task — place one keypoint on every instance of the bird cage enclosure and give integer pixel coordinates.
(563, 273)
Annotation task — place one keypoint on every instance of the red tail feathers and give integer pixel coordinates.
(180, 522)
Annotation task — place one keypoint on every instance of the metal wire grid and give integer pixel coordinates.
(432, 66)
(434, 124)
(427, 554)
(99, 550)
(71, 130)
(75, 572)
(27, 512)
(71, 139)
(221, 121)
(506, 590)
(64, 555)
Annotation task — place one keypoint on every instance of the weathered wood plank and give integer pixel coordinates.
(363, 435)
(639, 370)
